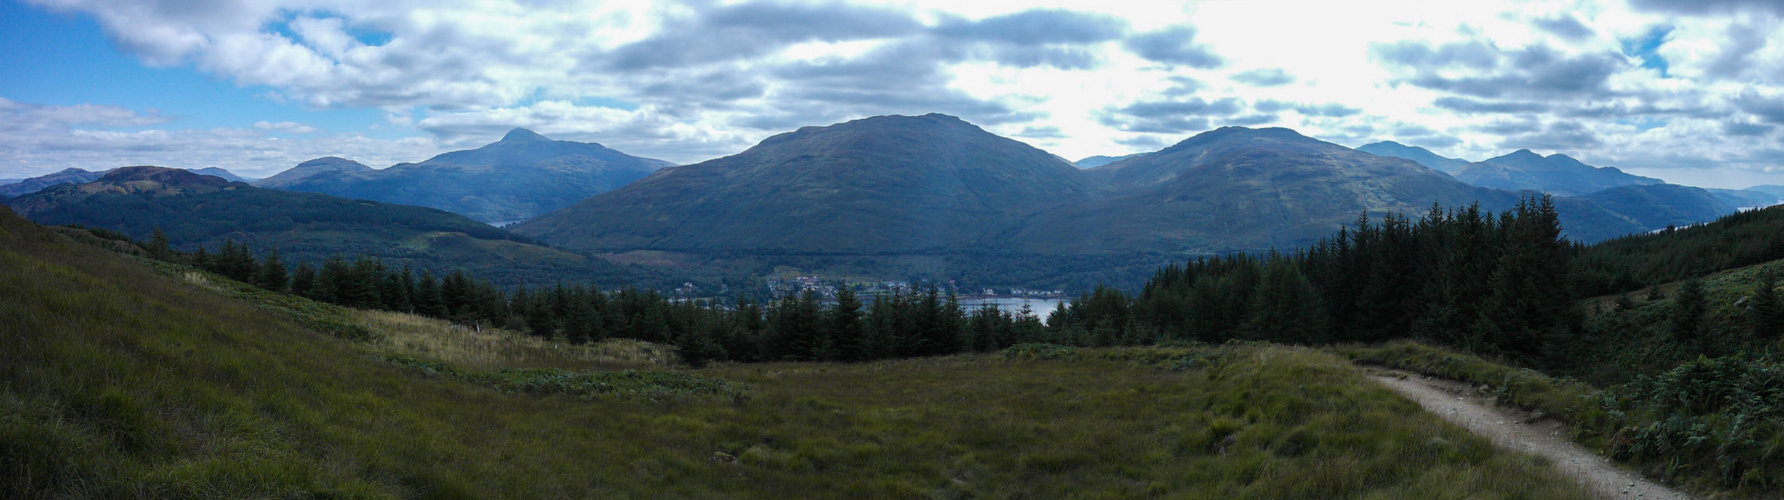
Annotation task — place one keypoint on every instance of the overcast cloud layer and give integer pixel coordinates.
(1688, 91)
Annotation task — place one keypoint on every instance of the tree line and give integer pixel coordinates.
(1497, 283)
(1463, 277)
(795, 327)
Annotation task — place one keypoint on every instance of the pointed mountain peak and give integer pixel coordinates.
(523, 135)
(1523, 153)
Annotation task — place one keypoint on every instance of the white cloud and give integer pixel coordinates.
(42, 139)
(287, 127)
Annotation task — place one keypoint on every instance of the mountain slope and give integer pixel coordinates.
(1747, 198)
(218, 172)
(1241, 189)
(309, 168)
(195, 210)
(1661, 205)
(35, 184)
(1421, 155)
(889, 184)
(519, 177)
(1557, 174)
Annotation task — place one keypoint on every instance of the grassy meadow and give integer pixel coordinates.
(124, 378)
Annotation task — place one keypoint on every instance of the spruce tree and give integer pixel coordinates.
(1688, 310)
(844, 324)
(1765, 314)
(427, 300)
(272, 273)
(303, 281)
(1286, 307)
(158, 247)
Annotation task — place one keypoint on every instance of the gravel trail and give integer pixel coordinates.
(1470, 408)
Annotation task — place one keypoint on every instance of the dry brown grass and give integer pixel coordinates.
(491, 348)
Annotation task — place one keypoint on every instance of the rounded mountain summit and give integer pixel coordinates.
(935, 183)
(523, 175)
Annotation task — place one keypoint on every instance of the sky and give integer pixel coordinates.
(1689, 91)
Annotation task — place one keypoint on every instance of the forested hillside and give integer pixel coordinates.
(193, 211)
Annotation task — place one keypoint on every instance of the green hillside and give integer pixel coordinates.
(1732, 241)
(131, 379)
(194, 210)
(881, 185)
(1237, 189)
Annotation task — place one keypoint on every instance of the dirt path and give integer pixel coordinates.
(1471, 409)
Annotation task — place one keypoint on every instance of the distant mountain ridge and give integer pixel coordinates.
(196, 210)
(219, 172)
(933, 183)
(35, 184)
(1237, 188)
(519, 177)
(1099, 160)
(80, 176)
(1557, 174)
(1421, 155)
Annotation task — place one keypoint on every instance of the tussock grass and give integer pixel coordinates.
(1520, 387)
(121, 381)
(493, 348)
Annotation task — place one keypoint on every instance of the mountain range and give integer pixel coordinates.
(1558, 174)
(875, 192)
(936, 184)
(519, 177)
(35, 184)
(22, 187)
(1421, 155)
(198, 210)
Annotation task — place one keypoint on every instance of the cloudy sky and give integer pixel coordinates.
(1691, 91)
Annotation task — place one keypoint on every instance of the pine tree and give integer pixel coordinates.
(332, 280)
(844, 323)
(1286, 307)
(427, 299)
(272, 273)
(1688, 310)
(303, 281)
(1765, 317)
(158, 247)
(202, 259)
(392, 292)
(697, 348)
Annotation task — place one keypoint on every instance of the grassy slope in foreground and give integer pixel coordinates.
(123, 382)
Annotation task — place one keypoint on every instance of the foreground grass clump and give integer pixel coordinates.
(653, 383)
(120, 381)
(1520, 387)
